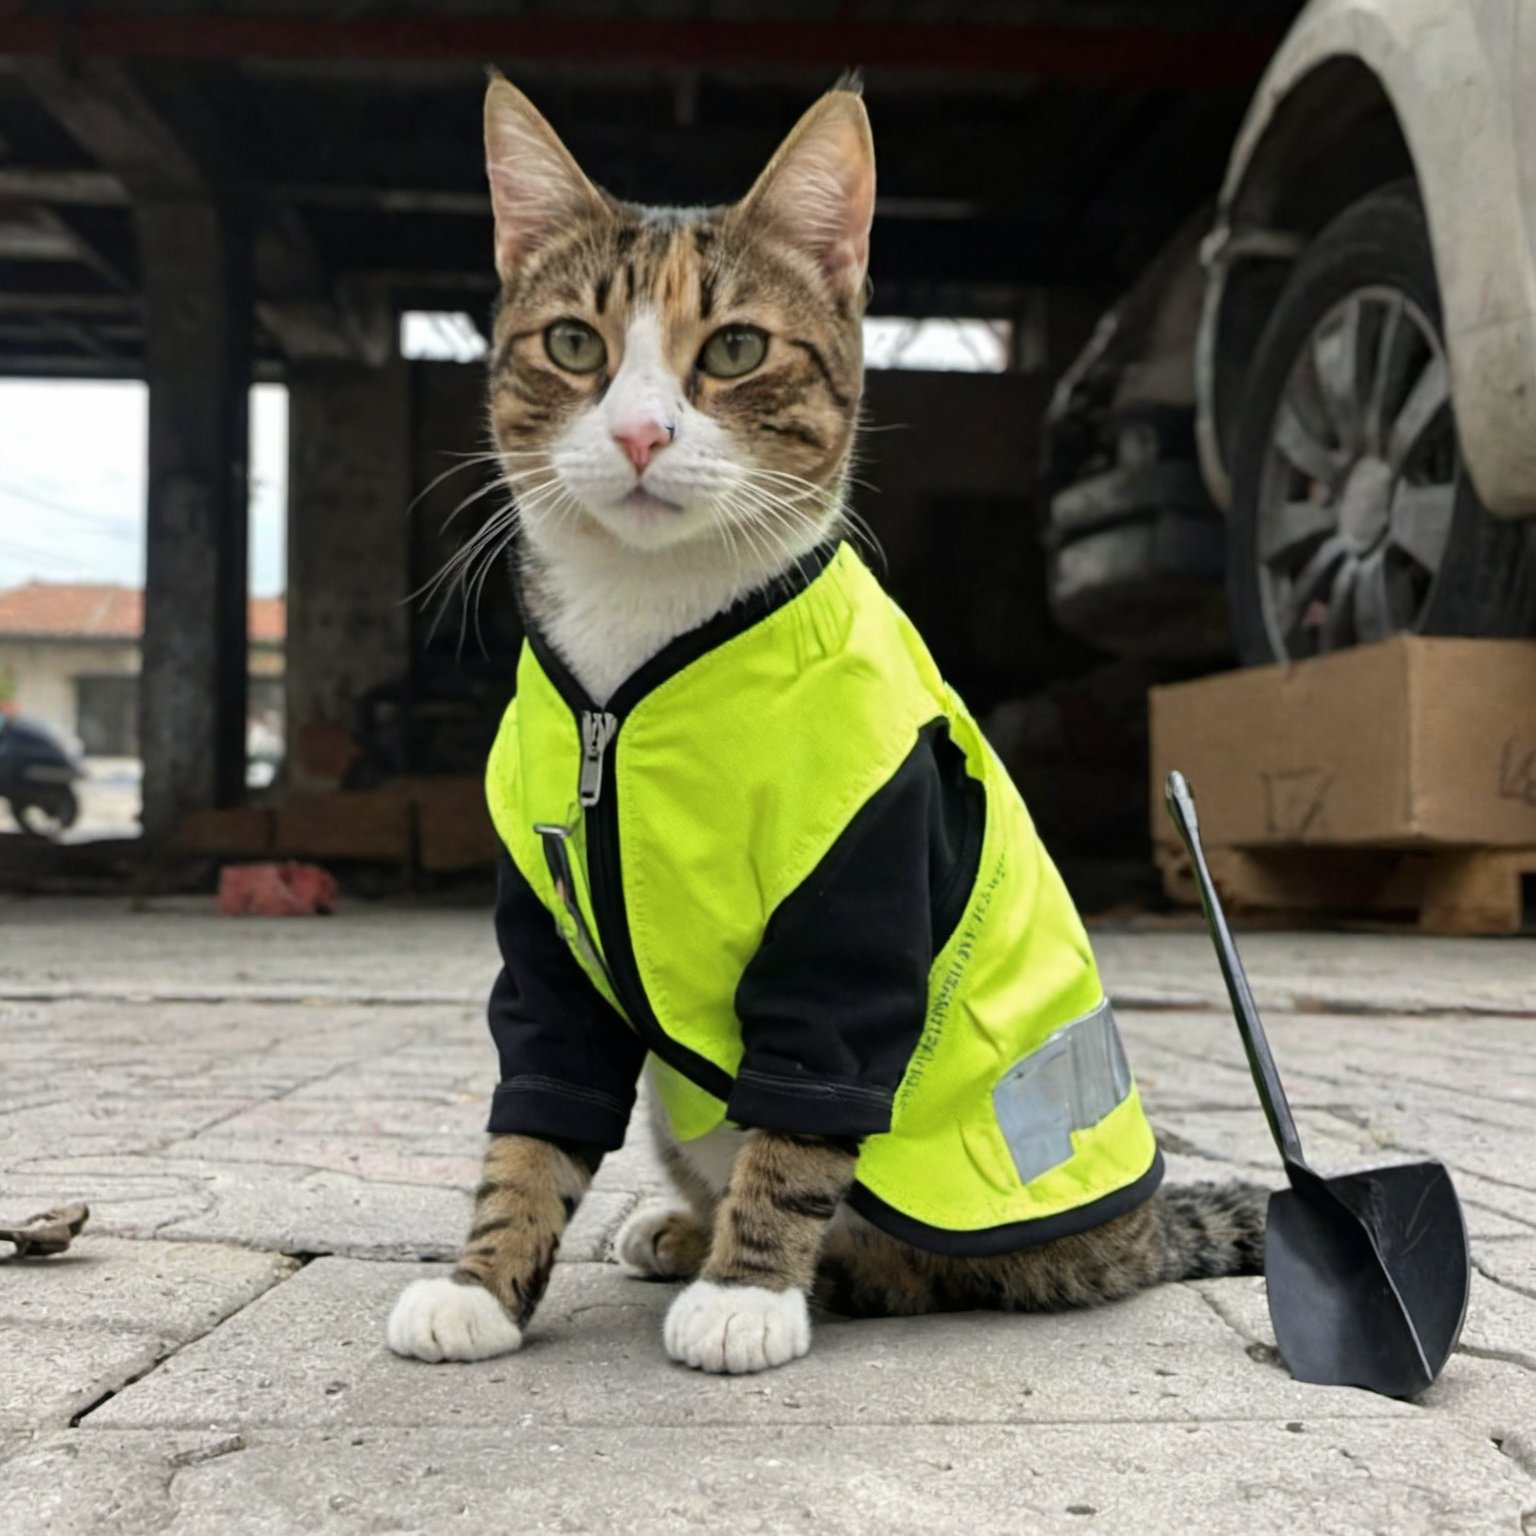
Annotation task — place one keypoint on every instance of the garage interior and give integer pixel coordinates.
(203, 197)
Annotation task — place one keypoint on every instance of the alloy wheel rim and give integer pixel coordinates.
(1358, 487)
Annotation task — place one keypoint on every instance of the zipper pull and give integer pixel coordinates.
(597, 730)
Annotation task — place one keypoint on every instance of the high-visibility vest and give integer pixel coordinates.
(664, 829)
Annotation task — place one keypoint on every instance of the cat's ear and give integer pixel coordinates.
(818, 192)
(536, 187)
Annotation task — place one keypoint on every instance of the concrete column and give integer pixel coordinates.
(196, 265)
(349, 488)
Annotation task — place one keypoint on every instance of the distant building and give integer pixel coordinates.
(69, 657)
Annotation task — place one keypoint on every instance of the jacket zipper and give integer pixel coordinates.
(599, 803)
(597, 732)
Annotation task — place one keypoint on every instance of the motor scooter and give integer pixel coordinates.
(37, 777)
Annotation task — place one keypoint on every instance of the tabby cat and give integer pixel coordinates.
(673, 396)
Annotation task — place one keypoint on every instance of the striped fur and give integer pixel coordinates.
(781, 1224)
(528, 1192)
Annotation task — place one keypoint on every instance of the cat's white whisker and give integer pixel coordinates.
(855, 522)
(435, 481)
(469, 461)
(487, 549)
(475, 558)
(467, 552)
(486, 490)
(770, 538)
(727, 531)
(741, 519)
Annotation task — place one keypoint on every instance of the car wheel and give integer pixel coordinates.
(1353, 516)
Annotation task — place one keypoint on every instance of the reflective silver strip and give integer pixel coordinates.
(558, 861)
(1076, 1077)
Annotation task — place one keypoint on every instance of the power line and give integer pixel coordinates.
(89, 519)
(59, 563)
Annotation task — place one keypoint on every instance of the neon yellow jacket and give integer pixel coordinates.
(784, 862)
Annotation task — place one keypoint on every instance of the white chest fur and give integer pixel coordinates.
(615, 609)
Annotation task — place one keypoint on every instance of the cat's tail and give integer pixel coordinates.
(1213, 1229)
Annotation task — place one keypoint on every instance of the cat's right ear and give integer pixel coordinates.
(537, 189)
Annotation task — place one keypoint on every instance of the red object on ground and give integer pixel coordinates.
(276, 890)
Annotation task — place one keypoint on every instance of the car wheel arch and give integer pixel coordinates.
(1291, 183)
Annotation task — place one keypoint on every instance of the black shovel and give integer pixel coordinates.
(1367, 1273)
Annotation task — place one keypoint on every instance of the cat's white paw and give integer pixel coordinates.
(443, 1320)
(636, 1244)
(737, 1328)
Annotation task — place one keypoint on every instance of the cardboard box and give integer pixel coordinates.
(1411, 743)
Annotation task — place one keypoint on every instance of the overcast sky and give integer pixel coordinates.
(72, 483)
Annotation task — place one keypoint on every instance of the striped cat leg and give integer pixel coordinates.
(747, 1311)
(529, 1191)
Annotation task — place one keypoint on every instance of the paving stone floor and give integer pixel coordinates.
(276, 1126)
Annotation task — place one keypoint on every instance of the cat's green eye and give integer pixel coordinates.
(732, 351)
(575, 347)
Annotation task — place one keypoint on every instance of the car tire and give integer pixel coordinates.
(1353, 516)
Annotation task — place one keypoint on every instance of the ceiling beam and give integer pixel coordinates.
(1116, 55)
(77, 365)
(87, 251)
(82, 338)
(102, 189)
(86, 189)
(423, 200)
(62, 303)
(105, 110)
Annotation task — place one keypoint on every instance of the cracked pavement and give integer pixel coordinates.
(276, 1125)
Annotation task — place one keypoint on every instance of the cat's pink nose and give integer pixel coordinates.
(641, 439)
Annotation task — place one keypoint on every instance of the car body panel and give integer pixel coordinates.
(1461, 79)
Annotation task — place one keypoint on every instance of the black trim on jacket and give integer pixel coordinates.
(1014, 1236)
(569, 1062)
(834, 1002)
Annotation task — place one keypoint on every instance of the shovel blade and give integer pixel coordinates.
(1416, 1226)
(1368, 1276)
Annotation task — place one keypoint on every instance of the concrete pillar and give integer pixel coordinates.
(349, 489)
(196, 265)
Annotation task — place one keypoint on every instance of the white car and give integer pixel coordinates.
(1365, 369)
(1354, 350)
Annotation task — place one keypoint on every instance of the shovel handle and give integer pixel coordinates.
(1266, 1077)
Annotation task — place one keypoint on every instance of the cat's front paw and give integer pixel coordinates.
(443, 1320)
(737, 1328)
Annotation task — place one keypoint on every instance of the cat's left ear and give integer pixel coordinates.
(818, 193)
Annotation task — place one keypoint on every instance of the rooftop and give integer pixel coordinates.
(92, 611)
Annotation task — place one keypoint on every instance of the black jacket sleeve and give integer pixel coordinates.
(833, 1004)
(569, 1062)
